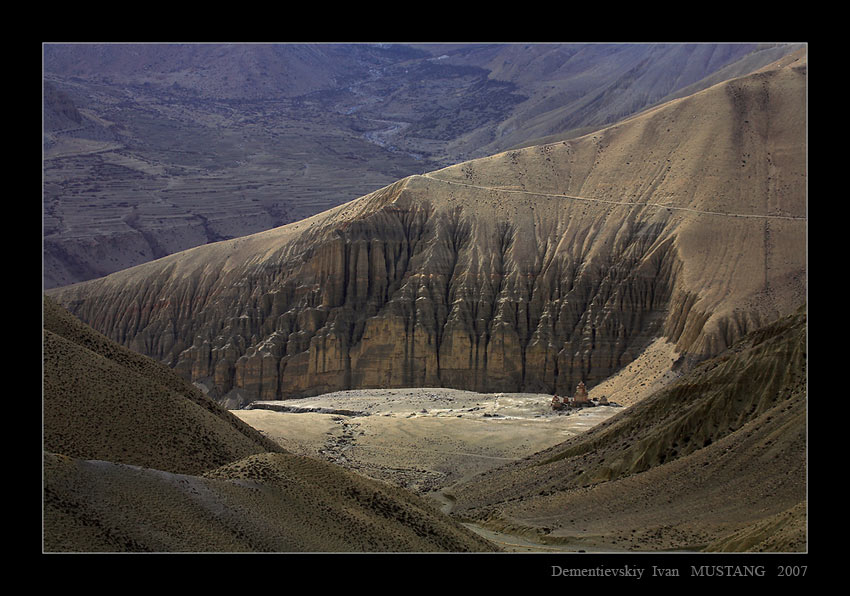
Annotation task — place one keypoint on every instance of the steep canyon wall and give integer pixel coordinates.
(527, 271)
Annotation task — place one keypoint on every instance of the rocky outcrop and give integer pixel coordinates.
(530, 270)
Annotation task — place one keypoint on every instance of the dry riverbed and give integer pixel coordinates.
(428, 439)
(422, 439)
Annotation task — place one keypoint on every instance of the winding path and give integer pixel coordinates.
(430, 176)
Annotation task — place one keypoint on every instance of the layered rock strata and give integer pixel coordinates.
(531, 270)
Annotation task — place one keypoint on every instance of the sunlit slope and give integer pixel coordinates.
(724, 170)
(528, 270)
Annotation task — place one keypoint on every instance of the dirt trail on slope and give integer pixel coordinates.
(430, 176)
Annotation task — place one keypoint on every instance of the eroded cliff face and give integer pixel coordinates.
(407, 295)
(527, 271)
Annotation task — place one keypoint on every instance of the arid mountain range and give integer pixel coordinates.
(137, 460)
(155, 148)
(716, 461)
(680, 230)
(529, 270)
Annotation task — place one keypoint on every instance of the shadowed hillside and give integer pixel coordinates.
(716, 460)
(529, 270)
(103, 401)
(136, 459)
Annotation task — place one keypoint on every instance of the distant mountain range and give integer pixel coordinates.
(154, 148)
(529, 270)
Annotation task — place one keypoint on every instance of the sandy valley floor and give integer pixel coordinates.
(421, 439)
(428, 439)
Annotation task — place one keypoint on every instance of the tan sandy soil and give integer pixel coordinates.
(648, 373)
(421, 439)
(430, 438)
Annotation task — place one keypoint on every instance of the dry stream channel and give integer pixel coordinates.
(425, 440)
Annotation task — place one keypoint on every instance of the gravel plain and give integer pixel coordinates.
(423, 439)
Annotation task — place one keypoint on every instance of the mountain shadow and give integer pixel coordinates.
(138, 460)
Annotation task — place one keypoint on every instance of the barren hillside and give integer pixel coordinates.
(716, 461)
(137, 460)
(150, 149)
(529, 270)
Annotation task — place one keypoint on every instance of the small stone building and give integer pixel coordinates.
(581, 396)
(580, 399)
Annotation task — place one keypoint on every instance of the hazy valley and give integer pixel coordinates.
(371, 339)
(151, 149)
